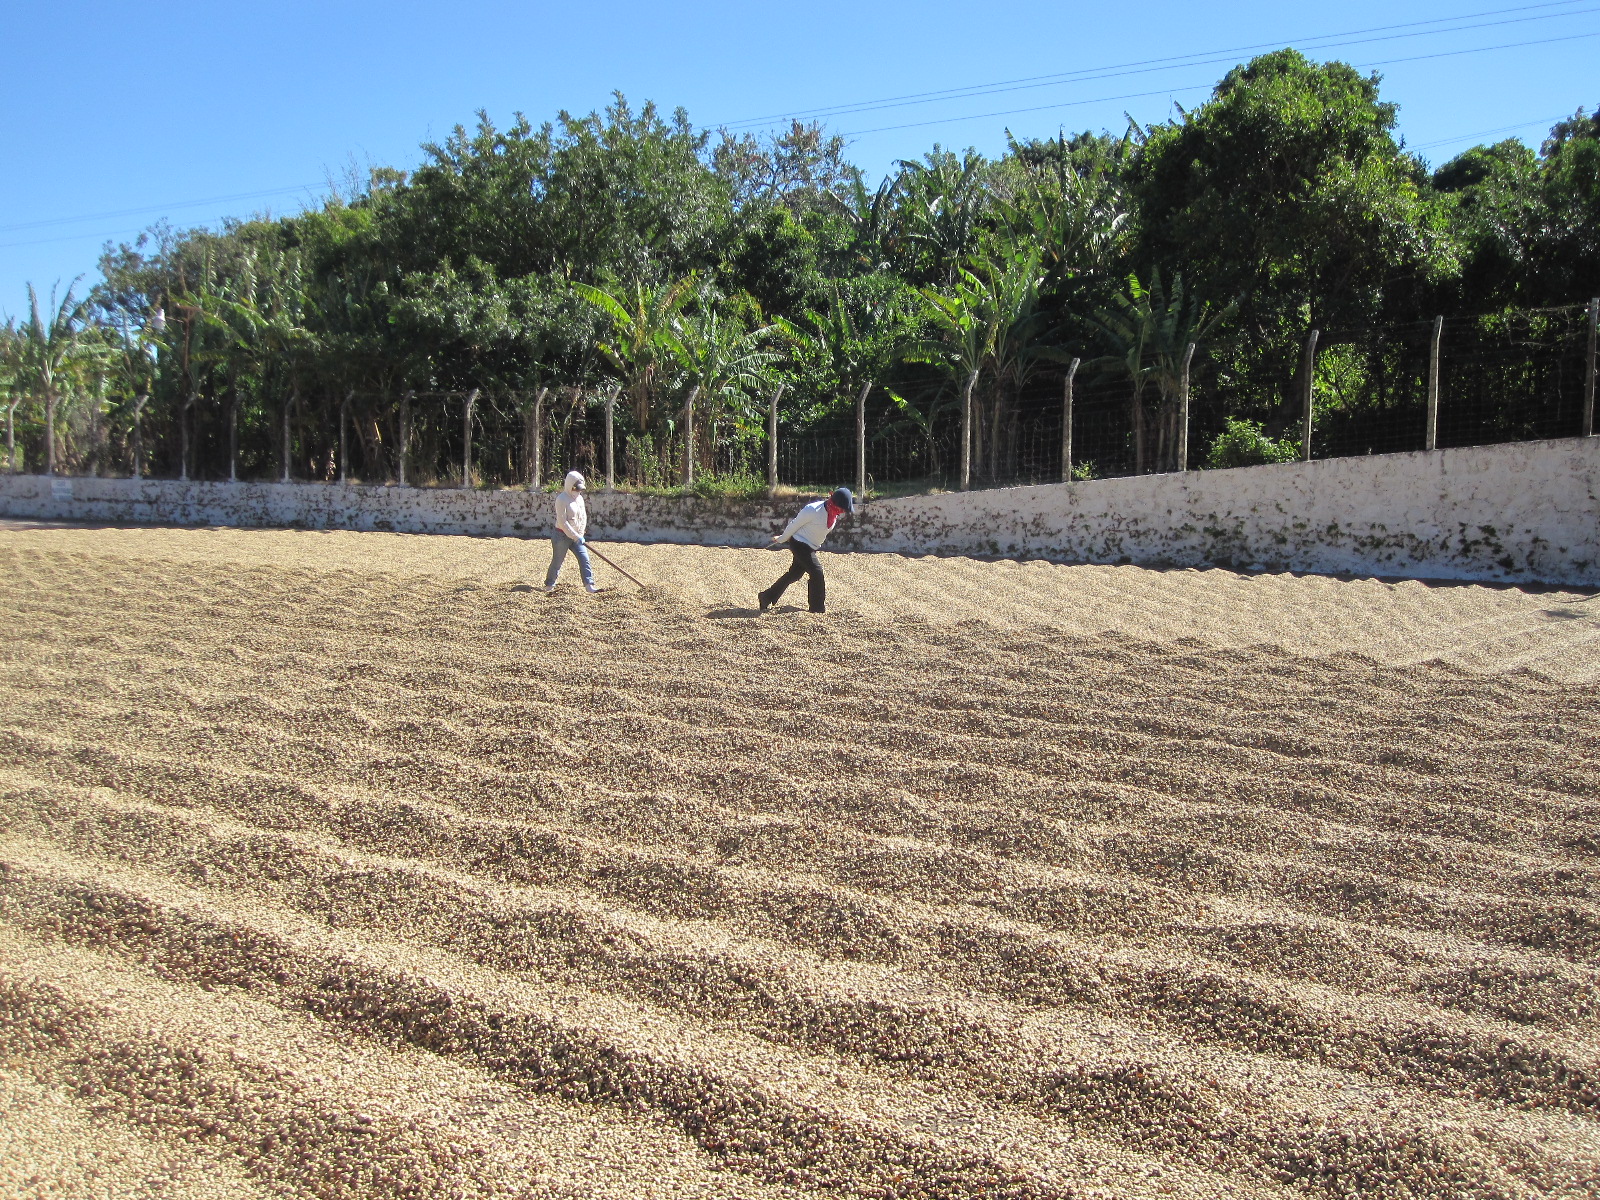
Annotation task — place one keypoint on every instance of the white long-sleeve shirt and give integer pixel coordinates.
(810, 525)
(572, 514)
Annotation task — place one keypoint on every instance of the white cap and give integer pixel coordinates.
(575, 480)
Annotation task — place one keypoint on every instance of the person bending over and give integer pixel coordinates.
(572, 519)
(804, 537)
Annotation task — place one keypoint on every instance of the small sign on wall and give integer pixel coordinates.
(61, 489)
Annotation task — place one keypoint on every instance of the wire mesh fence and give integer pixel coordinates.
(1503, 377)
(1509, 377)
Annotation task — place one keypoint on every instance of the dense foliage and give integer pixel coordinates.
(628, 255)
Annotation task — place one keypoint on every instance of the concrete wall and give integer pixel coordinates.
(1524, 512)
(512, 512)
(1527, 512)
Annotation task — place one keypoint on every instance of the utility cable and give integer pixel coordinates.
(1196, 87)
(1086, 75)
(134, 212)
(1202, 58)
(1461, 137)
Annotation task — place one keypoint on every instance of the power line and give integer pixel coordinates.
(70, 237)
(1200, 58)
(1194, 87)
(1478, 133)
(1166, 91)
(1086, 75)
(134, 212)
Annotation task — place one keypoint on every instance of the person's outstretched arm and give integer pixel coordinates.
(788, 532)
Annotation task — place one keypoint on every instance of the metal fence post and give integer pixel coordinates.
(1433, 386)
(611, 444)
(1590, 367)
(1066, 422)
(139, 402)
(466, 437)
(1183, 407)
(344, 413)
(405, 431)
(287, 409)
(772, 443)
(966, 431)
(536, 471)
(688, 437)
(183, 430)
(1307, 382)
(861, 441)
(574, 402)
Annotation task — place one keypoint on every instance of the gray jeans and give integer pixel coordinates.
(560, 543)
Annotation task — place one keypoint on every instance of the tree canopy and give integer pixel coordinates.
(632, 250)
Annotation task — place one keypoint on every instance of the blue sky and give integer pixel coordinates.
(116, 115)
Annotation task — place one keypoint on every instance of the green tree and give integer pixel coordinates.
(988, 321)
(647, 341)
(1567, 248)
(726, 363)
(1149, 330)
(943, 206)
(625, 194)
(12, 390)
(1287, 188)
(1494, 200)
(800, 169)
(53, 341)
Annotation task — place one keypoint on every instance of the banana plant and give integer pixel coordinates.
(989, 320)
(961, 342)
(1148, 331)
(648, 322)
(52, 343)
(267, 321)
(924, 419)
(873, 222)
(1072, 205)
(854, 341)
(726, 363)
(11, 385)
(944, 201)
(1012, 283)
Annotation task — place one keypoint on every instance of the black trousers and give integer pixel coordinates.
(805, 563)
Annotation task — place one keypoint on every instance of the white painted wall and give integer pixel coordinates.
(509, 512)
(1526, 512)
(1523, 512)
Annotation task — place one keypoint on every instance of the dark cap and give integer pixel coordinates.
(843, 499)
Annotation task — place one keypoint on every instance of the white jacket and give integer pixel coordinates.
(810, 525)
(572, 515)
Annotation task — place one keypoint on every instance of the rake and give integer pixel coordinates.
(594, 550)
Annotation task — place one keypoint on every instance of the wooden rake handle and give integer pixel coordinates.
(595, 551)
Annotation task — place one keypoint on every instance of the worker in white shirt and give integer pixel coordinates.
(572, 519)
(803, 538)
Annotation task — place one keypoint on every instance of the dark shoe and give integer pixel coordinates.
(763, 602)
(819, 610)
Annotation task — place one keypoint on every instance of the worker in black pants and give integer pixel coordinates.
(803, 537)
